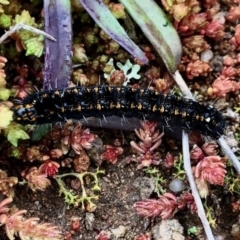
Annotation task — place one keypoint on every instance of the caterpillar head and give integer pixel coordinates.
(215, 123)
(25, 113)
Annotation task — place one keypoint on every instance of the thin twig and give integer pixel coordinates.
(187, 163)
(20, 26)
(182, 85)
(188, 169)
(229, 153)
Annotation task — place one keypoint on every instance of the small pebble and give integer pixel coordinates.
(206, 55)
(177, 185)
(118, 232)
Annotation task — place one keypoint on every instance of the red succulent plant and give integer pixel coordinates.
(165, 206)
(111, 153)
(211, 169)
(50, 168)
(76, 137)
(151, 139)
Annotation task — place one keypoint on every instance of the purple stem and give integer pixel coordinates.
(109, 24)
(58, 55)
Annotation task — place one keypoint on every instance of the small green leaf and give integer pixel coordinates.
(5, 94)
(158, 29)
(40, 131)
(15, 132)
(5, 116)
(192, 230)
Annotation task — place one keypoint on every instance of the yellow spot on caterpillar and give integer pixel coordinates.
(118, 106)
(96, 89)
(133, 89)
(99, 107)
(154, 108)
(112, 105)
(33, 119)
(176, 111)
(139, 106)
(29, 106)
(79, 108)
(162, 109)
(184, 114)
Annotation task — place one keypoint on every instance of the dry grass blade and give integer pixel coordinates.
(188, 169)
(20, 26)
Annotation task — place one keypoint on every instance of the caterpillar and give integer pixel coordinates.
(102, 101)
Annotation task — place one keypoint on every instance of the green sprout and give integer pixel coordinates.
(192, 230)
(72, 198)
(232, 180)
(210, 215)
(237, 109)
(155, 175)
(178, 165)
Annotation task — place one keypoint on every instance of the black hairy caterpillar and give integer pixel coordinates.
(102, 101)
